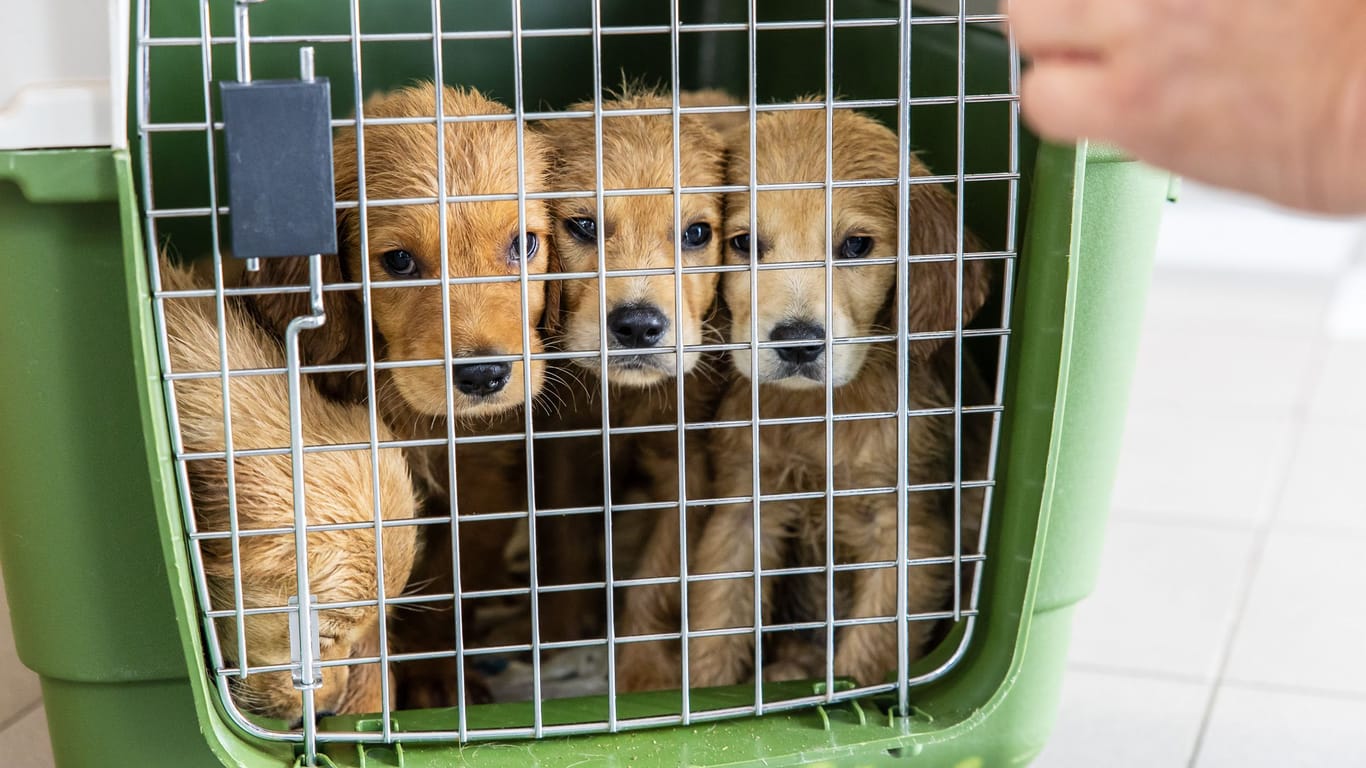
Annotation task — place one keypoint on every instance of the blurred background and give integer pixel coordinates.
(1226, 629)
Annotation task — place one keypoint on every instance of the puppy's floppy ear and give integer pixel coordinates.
(337, 337)
(934, 288)
(548, 161)
(552, 317)
(547, 136)
(209, 497)
(340, 339)
(364, 691)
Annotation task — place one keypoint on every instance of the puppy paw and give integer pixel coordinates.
(787, 670)
(717, 661)
(647, 669)
(435, 685)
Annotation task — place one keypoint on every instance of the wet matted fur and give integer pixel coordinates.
(792, 457)
(343, 566)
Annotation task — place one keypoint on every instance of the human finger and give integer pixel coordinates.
(1042, 27)
(1066, 100)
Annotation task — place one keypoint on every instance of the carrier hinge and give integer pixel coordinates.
(296, 644)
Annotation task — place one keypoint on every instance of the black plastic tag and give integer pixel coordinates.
(278, 138)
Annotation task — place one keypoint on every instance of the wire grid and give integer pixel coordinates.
(211, 47)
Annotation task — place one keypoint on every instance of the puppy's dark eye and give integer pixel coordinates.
(855, 247)
(399, 263)
(740, 243)
(533, 244)
(584, 229)
(697, 235)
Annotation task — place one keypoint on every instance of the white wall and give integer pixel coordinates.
(60, 60)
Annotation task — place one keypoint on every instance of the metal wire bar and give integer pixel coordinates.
(604, 392)
(960, 235)
(220, 310)
(436, 598)
(680, 402)
(903, 323)
(777, 106)
(634, 507)
(1007, 294)
(432, 362)
(452, 475)
(241, 42)
(564, 276)
(558, 32)
(572, 433)
(142, 69)
(756, 480)
(829, 322)
(309, 677)
(371, 404)
(538, 714)
(624, 192)
(1007, 306)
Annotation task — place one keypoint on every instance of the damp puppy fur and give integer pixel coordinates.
(790, 306)
(409, 321)
(643, 319)
(338, 487)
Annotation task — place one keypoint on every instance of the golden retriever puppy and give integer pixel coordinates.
(646, 317)
(791, 307)
(411, 242)
(343, 566)
(638, 234)
(405, 244)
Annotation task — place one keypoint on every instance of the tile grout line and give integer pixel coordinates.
(1135, 673)
(14, 719)
(1137, 515)
(1309, 692)
(1261, 535)
(1358, 257)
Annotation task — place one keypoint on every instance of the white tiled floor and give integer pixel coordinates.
(1108, 709)
(1323, 475)
(1303, 625)
(24, 742)
(1227, 629)
(1337, 394)
(1251, 727)
(1202, 463)
(23, 729)
(1159, 610)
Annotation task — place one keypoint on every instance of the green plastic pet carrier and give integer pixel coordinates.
(98, 562)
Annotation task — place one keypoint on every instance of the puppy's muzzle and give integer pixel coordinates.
(799, 330)
(637, 326)
(481, 379)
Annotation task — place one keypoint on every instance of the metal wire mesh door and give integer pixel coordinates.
(669, 359)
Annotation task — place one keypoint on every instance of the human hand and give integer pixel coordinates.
(1264, 96)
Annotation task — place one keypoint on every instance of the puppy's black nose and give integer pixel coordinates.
(799, 330)
(481, 379)
(635, 325)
